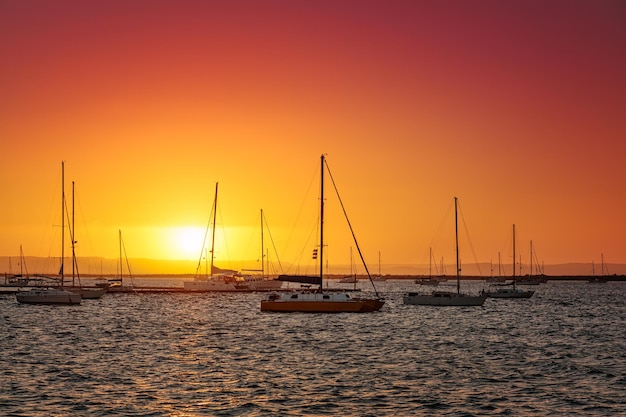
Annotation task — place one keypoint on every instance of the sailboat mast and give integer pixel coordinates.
(119, 234)
(430, 262)
(531, 258)
(62, 222)
(514, 254)
(213, 232)
(262, 249)
(321, 248)
(602, 260)
(456, 233)
(73, 240)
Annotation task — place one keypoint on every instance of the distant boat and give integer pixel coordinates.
(53, 295)
(602, 279)
(432, 281)
(48, 296)
(447, 298)
(217, 280)
(530, 279)
(379, 277)
(210, 281)
(318, 301)
(350, 279)
(22, 278)
(496, 279)
(509, 290)
(117, 284)
(262, 282)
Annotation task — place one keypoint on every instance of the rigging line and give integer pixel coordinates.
(506, 247)
(228, 259)
(471, 245)
(206, 235)
(537, 268)
(358, 248)
(269, 232)
(130, 274)
(312, 181)
(86, 235)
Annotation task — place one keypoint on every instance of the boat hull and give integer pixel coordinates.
(232, 285)
(89, 293)
(510, 294)
(49, 297)
(443, 299)
(319, 303)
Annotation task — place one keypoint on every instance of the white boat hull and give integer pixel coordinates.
(89, 293)
(316, 302)
(48, 296)
(440, 298)
(239, 284)
(510, 293)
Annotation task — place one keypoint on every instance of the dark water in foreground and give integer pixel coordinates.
(562, 352)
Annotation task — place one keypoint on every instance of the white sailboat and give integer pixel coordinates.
(433, 281)
(319, 301)
(531, 279)
(509, 290)
(230, 281)
(22, 278)
(380, 276)
(262, 282)
(444, 297)
(209, 281)
(117, 284)
(53, 295)
(352, 278)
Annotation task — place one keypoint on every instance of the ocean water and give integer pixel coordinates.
(562, 352)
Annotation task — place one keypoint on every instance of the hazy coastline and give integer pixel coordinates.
(96, 266)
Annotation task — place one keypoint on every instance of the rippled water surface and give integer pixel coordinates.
(562, 352)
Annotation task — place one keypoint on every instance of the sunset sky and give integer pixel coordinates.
(518, 108)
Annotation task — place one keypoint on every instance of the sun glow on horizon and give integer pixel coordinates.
(184, 242)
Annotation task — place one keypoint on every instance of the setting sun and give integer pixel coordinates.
(186, 242)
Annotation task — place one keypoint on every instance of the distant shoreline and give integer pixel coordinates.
(333, 277)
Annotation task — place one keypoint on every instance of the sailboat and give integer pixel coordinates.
(225, 281)
(531, 279)
(22, 278)
(499, 278)
(379, 277)
(509, 290)
(210, 282)
(117, 284)
(261, 283)
(350, 279)
(443, 297)
(602, 279)
(53, 295)
(319, 301)
(434, 281)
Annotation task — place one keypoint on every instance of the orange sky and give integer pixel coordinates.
(516, 107)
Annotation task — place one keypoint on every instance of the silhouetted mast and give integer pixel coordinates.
(456, 230)
(321, 248)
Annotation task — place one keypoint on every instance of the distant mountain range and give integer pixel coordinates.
(100, 266)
